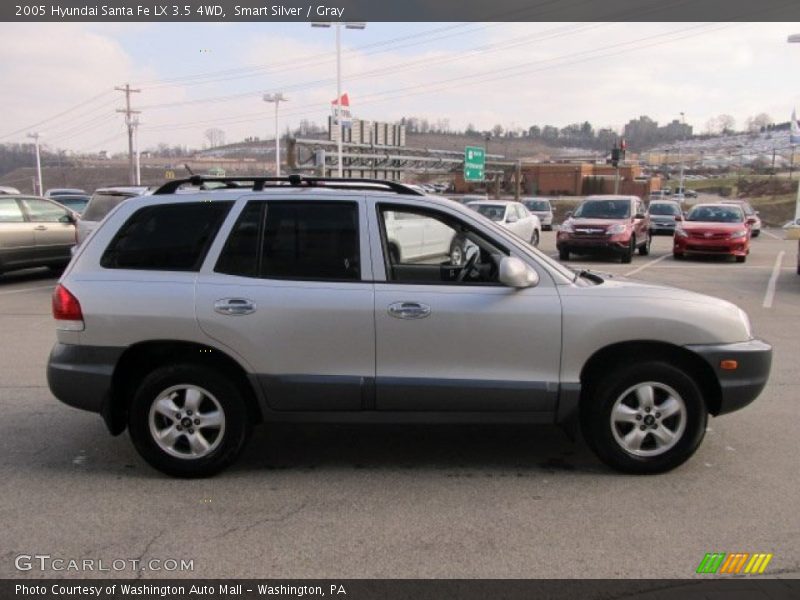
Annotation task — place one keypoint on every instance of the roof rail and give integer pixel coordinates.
(258, 183)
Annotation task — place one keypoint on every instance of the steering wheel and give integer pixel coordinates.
(470, 264)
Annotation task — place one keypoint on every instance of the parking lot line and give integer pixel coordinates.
(647, 264)
(32, 289)
(769, 296)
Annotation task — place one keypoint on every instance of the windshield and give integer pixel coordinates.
(490, 211)
(537, 205)
(716, 214)
(101, 204)
(604, 209)
(664, 208)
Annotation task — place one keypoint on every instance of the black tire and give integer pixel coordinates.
(677, 256)
(602, 395)
(755, 233)
(547, 228)
(236, 431)
(644, 249)
(741, 259)
(535, 238)
(627, 256)
(563, 254)
(458, 252)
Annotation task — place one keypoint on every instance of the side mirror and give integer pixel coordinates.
(67, 218)
(679, 218)
(515, 273)
(512, 219)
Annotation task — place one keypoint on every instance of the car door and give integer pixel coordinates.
(17, 244)
(291, 294)
(53, 229)
(445, 345)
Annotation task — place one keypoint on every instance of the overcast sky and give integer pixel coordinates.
(197, 76)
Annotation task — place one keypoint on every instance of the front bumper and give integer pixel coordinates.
(738, 247)
(742, 385)
(606, 243)
(80, 376)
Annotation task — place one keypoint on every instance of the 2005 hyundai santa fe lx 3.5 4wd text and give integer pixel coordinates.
(189, 317)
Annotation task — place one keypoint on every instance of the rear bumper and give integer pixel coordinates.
(743, 385)
(80, 376)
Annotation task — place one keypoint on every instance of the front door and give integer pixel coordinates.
(451, 337)
(291, 296)
(17, 245)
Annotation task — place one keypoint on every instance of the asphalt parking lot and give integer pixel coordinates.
(412, 501)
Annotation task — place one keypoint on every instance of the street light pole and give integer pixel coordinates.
(683, 160)
(795, 39)
(35, 137)
(338, 120)
(277, 98)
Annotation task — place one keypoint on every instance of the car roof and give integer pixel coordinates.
(494, 202)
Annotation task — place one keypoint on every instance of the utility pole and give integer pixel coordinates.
(35, 137)
(277, 98)
(129, 123)
(136, 151)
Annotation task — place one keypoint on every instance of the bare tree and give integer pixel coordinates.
(215, 137)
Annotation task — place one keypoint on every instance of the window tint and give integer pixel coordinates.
(294, 240)
(240, 255)
(101, 204)
(311, 240)
(169, 237)
(604, 209)
(10, 211)
(42, 211)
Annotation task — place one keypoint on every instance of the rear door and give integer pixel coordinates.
(17, 243)
(291, 294)
(53, 231)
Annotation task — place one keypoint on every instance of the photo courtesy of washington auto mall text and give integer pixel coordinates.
(400, 300)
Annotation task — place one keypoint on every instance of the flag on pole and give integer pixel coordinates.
(794, 133)
(341, 110)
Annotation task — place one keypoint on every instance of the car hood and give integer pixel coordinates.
(641, 310)
(703, 226)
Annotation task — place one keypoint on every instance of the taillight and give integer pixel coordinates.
(67, 308)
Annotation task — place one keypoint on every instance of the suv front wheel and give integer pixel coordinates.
(645, 418)
(188, 421)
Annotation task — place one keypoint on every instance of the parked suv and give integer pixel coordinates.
(616, 224)
(101, 203)
(188, 318)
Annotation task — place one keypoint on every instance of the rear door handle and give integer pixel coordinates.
(234, 306)
(40, 228)
(409, 310)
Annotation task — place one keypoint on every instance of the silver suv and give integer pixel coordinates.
(189, 317)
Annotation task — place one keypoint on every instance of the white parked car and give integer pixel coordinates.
(412, 238)
(513, 216)
(542, 208)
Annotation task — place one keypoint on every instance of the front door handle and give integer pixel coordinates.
(409, 310)
(40, 228)
(234, 306)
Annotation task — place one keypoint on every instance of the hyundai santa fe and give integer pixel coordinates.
(187, 318)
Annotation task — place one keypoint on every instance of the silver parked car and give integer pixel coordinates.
(513, 216)
(101, 203)
(542, 208)
(188, 318)
(34, 232)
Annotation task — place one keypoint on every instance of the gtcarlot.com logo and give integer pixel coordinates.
(736, 563)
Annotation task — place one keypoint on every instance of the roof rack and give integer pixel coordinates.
(257, 184)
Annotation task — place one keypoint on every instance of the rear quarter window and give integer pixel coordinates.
(167, 237)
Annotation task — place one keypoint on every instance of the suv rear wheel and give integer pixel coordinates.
(646, 418)
(188, 421)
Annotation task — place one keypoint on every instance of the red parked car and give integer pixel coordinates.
(617, 224)
(713, 229)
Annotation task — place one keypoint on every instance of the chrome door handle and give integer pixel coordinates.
(409, 310)
(234, 306)
(40, 228)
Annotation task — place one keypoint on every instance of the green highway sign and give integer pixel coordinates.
(474, 163)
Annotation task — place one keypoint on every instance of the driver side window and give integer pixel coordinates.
(428, 247)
